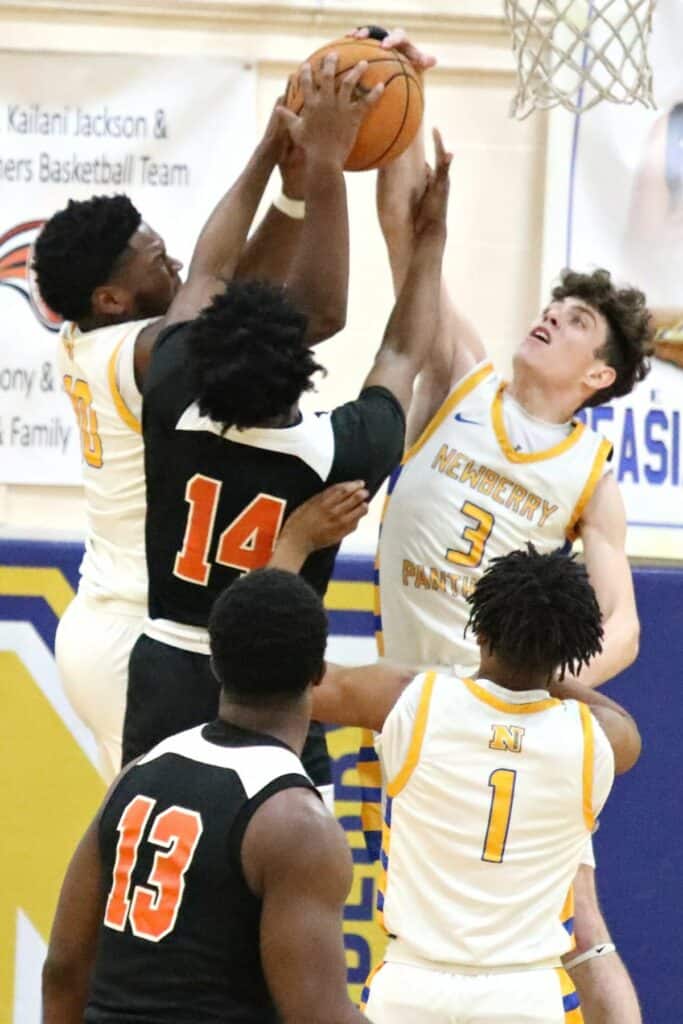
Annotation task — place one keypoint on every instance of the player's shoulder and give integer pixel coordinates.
(483, 372)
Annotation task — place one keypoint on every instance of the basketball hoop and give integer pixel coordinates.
(575, 53)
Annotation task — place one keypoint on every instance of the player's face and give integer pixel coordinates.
(149, 274)
(560, 349)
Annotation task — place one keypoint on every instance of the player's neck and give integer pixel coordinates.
(541, 402)
(286, 723)
(510, 679)
(286, 419)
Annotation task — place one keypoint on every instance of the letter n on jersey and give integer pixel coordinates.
(507, 737)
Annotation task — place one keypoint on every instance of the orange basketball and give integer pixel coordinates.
(391, 125)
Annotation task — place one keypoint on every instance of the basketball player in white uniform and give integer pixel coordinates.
(490, 466)
(494, 785)
(108, 274)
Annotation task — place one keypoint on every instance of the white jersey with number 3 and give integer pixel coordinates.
(490, 799)
(97, 372)
(463, 495)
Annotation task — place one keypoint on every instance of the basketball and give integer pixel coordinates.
(391, 125)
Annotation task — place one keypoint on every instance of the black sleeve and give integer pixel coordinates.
(369, 435)
(166, 388)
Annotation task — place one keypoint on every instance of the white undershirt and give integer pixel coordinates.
(527, 433)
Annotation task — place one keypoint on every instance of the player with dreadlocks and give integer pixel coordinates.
(494, 784)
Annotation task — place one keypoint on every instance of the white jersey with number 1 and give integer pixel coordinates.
(491, 797)
(465, 494)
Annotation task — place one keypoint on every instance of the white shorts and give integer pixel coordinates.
(92, 647)
(403, 994)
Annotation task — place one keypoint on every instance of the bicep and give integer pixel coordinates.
(306, 876)
(369, 438)
(603, 535)
(80, 908)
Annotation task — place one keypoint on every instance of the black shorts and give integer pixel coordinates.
(170, 690)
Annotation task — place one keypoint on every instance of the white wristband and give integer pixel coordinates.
(295, 208)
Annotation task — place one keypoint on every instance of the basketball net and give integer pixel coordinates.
(575, 53)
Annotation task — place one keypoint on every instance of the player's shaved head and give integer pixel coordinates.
(268, 633)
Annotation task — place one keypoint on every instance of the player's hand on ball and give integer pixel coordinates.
(328, 517)
(330, 118)
(397, 39)
(431, 208)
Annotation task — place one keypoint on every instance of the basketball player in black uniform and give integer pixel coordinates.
(210, 887)
(229, 456)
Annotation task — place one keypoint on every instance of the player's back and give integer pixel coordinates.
(180, 939)
(491, 797)
(216, 499)
(97, 371)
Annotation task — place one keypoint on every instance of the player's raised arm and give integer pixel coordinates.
(603, 532)
(321, 522)
(326, 130)
(221, 241)
(296, 860)
(413, 323)
(458, 345)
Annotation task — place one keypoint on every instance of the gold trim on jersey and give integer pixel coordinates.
(501, 705)
(461, 391)
(121, 407)
(400, 780)
(570, 999)
(603, 453)
(567, 916)
(498, 421)
(588, 763)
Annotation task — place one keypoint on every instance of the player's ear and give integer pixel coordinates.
(111, 300)
(600, 376)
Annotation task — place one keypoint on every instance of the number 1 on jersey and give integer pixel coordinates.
(246, 543)
(502, 782)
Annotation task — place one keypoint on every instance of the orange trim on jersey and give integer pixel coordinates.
(413, 756)
(461, 391)
(502, 705)
(121, 407)
(498, 421)
(588, 763)
(603, 453)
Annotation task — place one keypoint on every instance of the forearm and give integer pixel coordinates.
(571, 689)
(64, 996)
(398, 186)
(619, 650)
(415, 317)
(289, 553)
(269, 252)
(319, 278)
(222, 239)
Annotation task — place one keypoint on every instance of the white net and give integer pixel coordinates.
(574, 53)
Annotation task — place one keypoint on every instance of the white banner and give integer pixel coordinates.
(615, 199)
(171, 133)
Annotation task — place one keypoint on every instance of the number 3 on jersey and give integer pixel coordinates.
(245, 544)
(153, 908)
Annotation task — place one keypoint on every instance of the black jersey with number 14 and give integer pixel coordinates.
(216, 500)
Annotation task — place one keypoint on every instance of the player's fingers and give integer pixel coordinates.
(358, 33)
(397, 38)
(287, 117)
(351, 79)
(348, 521)
(331, 496)
(371, 98)
(327, 74)
(306, 82)
(347, 504)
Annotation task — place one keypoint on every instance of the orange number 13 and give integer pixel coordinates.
(153, 908)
